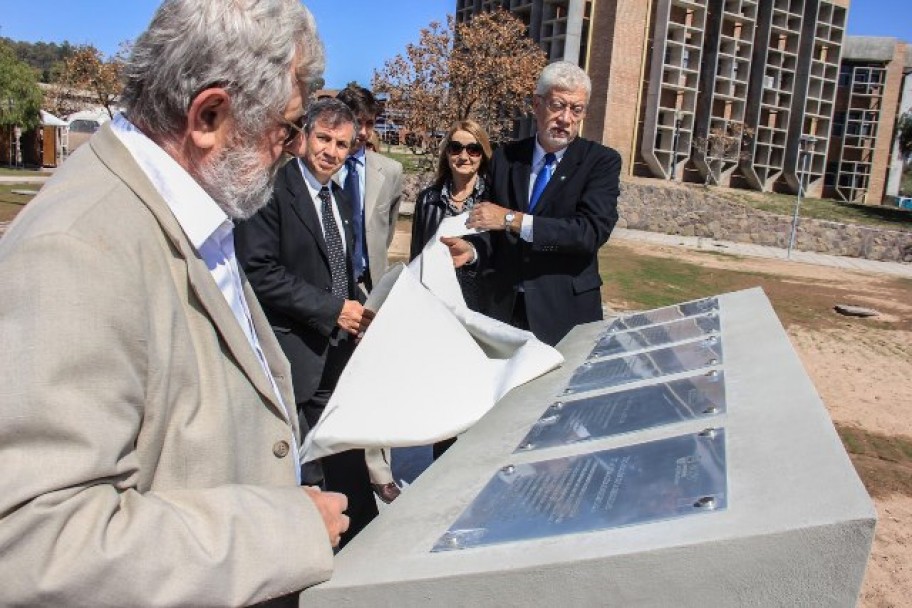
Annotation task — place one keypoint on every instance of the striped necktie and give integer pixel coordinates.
(334, 248)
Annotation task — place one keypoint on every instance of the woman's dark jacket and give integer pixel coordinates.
(430, 209)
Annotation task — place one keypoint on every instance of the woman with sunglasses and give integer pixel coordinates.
(459, 184)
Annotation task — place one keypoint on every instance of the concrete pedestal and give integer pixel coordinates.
(797, 529)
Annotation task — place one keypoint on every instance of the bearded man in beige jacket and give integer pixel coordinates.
(148, 442)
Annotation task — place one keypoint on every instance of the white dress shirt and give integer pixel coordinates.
(208, 228)
(538, 163)
(314, 187)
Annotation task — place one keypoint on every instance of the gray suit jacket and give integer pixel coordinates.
(144, 454)
(382, 196)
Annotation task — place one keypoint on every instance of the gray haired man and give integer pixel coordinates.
(554, 205)
(148, 437)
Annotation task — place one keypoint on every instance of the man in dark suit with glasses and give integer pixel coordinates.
(554, 205)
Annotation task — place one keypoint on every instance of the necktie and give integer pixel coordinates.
(352, 189)
(334, 248)
(541, 180)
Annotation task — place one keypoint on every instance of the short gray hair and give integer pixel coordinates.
(564, 76)
(248, 47)
(331, 111)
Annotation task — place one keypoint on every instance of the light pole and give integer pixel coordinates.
(806, 145)
(9, 102)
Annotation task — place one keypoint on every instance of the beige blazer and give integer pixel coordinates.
(382, 197)
(144, 456)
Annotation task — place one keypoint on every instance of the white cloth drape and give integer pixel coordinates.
(428, 368)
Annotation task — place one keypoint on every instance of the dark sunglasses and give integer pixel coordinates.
(455, 148)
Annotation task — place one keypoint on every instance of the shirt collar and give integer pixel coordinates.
(313, 185)
(538, 155)
(360, 155)
(198, 214)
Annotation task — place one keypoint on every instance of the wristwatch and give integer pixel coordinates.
(508, 219)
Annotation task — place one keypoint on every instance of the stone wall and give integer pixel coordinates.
(694, 211)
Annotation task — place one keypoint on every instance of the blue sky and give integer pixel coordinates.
(359, 34)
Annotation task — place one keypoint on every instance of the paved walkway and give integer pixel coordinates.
(23, 179)
(400, 245)
(400, 248)
(762, 251)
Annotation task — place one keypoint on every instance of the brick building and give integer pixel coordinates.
(731, 92)
(875, 86)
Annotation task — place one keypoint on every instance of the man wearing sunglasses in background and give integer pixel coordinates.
(373, 186)
(554, 205)
(297, 254)
(148, 437)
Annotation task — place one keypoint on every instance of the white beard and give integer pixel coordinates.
(237, 180)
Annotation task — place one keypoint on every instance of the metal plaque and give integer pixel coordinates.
(637, 484)
(627, 411)
(620, 342)
(664, 315)
(604, 373)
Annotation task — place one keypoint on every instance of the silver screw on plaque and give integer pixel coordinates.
(508, 470)
(712, 339)
(713, 362)
(557, 406)
(526, 446)
(568, 391)
(453, 540)
(712, 374)
(587, 364)
(712, 409)
(708, 433)
(707, 502)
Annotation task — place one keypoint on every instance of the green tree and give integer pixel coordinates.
(46, 58)
(20, 97)
(317, 84)
(904, 129)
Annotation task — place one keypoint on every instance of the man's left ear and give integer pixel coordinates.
(209, 118)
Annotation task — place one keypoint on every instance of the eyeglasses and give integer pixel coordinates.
(558, 106)
(455, 148)
(292, 130)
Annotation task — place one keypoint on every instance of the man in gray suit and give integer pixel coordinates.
(148, 442)
(373, 185)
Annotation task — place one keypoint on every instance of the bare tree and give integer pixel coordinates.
(722, 148)
(87, 74)
(483, 69)
(417, 83)
(493, 70)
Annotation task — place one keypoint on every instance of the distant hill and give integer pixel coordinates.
(43, 57)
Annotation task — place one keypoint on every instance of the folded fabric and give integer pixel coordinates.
(428, 368)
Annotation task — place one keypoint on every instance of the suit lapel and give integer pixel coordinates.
(373, 183)
(520, 173)
(115, 156)
(303, 206)
(345, 214)
(566, 168)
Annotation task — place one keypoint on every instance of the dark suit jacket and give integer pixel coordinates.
(573, 219)
(283, 253)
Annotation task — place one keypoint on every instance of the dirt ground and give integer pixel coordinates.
(863, 371)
